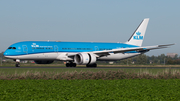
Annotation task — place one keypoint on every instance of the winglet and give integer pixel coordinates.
(138, 35)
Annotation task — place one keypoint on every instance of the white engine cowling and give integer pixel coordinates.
(85, 58)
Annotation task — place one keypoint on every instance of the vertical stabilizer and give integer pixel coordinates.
(138, 35)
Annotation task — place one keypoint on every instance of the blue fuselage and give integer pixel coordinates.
(34, 47)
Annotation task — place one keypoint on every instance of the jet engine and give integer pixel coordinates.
(43, 61)
(85, 58)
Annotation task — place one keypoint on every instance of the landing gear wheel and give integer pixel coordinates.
(17, 65)
(70, 64)
(74, 64)
(95, 65)
(67, 65)
(92, 65)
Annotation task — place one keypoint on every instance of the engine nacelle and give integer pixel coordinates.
(85, 58)
(43, 61)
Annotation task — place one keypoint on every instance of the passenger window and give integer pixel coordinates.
(9, 47)
(14, 48)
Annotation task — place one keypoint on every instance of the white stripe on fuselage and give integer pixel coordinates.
(40, 56)
(63, 56)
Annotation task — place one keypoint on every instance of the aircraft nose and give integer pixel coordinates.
(6, 53)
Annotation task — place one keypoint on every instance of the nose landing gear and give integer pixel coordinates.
(17, 63)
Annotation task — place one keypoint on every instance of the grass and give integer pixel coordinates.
(90, 90)
(91, 84)
(22, 70)
(94, 75)
(59, 70)
(56, 70)
(99, 65)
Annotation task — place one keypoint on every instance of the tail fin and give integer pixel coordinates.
(138, 35)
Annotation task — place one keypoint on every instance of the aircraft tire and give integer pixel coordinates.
(95, 65)
(67, 65)
(92, 65)
(17, 65)
(74, 65)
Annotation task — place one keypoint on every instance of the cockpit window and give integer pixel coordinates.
(12, 48)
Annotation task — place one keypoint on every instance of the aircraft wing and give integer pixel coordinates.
(123, 50)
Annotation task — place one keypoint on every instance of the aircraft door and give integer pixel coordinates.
(25, 49)
(55, 48)
(96, 48)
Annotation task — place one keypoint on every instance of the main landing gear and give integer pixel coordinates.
(70, 64)
(92, 65)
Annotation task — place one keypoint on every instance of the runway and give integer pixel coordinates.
(101, 67)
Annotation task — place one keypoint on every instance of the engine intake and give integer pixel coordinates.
(85, 58)
(43, 61)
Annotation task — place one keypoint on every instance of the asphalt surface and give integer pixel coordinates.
(104, 67)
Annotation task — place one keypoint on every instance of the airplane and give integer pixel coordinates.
(81, 53)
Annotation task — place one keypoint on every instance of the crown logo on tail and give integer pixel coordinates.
(138, 33)
(137, 36)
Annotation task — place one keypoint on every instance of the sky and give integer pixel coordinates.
(90, 21)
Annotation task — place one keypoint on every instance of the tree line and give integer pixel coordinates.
(158, 60)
